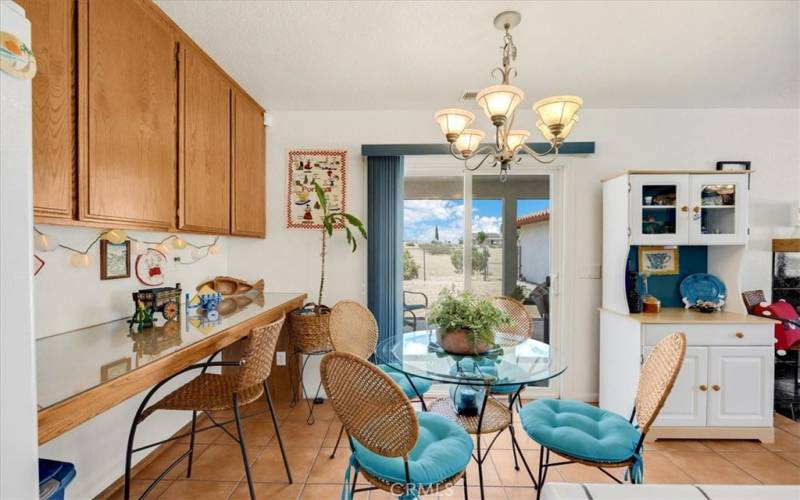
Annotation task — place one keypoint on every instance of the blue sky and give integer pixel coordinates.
(421, 217)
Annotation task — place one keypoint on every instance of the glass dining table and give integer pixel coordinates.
(484, 389)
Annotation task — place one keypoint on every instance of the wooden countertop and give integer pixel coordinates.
(85, 372)
(670, 315)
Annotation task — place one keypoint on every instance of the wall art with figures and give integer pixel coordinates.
(328, 168)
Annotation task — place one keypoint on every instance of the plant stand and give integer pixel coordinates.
(310, 337)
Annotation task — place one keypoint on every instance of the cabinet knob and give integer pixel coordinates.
(703, 387)
(739, 335)
(684, 208)
(715, 387)
(696, 210)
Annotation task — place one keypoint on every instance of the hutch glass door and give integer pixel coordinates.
(658, 205)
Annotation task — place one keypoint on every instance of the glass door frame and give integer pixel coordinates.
(445, 165)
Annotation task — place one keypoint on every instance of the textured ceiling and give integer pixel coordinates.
(421, 55)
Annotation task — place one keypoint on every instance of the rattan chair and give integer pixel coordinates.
(210, 392)
(353, 329)
(585, 434)
(393, 447)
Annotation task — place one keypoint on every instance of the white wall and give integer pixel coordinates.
(534, 250)
(625, 139)
(97, 447)
(18, 465)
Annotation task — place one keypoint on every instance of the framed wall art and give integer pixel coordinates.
(658, 260)
(328, 167)
(115, 260)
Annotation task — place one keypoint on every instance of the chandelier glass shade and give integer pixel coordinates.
(557, 116)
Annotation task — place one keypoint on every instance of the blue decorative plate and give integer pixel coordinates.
(704, 287)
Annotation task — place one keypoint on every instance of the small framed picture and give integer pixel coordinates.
(733, 165)
(115, 369)
(115, 260)
(658, 260)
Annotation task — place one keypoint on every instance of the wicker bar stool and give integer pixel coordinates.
(588, 435)
(213, 392)
(393, 448)
(353, 329)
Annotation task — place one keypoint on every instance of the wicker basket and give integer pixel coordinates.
(459, 342)
(310, 332)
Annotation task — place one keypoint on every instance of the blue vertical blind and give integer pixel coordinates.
(385, 231)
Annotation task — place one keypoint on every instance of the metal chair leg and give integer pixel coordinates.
(128, 457)
(355, 479)
(466, 491)
(240, 433)
(191, 445)
(341, 431)
(268, 397)
(513, 448)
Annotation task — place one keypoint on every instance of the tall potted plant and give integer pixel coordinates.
(466, 322)
(310, 324)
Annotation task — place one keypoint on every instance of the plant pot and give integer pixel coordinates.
(310, 331)
(460, 342)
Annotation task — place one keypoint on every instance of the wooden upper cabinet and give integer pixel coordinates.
(54, 118)
(205, 173)
(248, 210)
(128, 104)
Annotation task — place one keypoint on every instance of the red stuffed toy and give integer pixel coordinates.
(787, 332)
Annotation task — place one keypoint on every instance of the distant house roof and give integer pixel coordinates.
(540, 216)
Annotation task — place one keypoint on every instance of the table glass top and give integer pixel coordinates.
(509, 363)
(73, 362)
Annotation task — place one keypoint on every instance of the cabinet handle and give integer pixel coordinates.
(684, 208)
(739, 335)
(703, 387)
(696, 210)
(715, 387)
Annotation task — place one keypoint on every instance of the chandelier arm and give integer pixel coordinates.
(488, 155)
(540, 157)
(536, 154)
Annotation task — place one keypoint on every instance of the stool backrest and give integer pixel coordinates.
(372, 407)
(521, 322)
(259, 353)
(657, 377)
(353, 329)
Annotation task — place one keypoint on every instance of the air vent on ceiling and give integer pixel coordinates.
(468, 95)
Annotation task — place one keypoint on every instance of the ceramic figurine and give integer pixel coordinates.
(143, 317)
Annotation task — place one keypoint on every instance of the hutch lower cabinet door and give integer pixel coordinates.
(686, 405)
(127, 115)
(740, 386)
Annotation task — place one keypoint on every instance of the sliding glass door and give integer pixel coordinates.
(469, 231)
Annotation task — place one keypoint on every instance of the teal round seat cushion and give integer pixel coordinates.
(422, 385)
(580, 430)
(443, 450)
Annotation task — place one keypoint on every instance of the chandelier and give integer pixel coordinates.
(556, 116)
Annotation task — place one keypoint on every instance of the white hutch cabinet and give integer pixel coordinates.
(725, 387)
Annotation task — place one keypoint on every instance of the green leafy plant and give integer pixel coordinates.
(351, 225)
(466, 311)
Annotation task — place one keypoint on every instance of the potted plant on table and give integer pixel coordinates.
(466, 322)
(310, 324)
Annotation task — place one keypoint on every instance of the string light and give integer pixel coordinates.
(80, 258)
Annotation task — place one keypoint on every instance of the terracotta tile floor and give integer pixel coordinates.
(218, 473)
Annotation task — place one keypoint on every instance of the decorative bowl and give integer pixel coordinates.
(458, 342)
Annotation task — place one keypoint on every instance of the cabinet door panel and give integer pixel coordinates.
(54, 117)
(718, 209)
(248, 210)
(686, 404)
(128, 90)
(206, 166)
(740, 386)
(659, 209)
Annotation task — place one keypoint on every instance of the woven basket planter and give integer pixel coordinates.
(310, 332)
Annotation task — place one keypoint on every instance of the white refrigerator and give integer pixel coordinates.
(18, 439)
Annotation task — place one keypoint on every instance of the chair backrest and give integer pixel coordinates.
(521, 325)
(353, 329)
(259, 351)
(753, 298)
(372, 407)
(657, 377)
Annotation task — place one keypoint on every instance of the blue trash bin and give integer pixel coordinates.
(54, 477)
